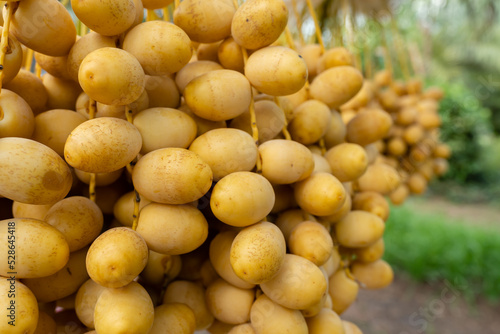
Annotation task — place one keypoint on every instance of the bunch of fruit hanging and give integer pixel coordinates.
(200, 167)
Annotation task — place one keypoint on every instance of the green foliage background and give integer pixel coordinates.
(433, 248)
(463, 59)
(453, 44)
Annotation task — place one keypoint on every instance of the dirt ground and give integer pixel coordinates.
(407, 307)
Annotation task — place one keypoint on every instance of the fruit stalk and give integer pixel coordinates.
(285, 126)
(92, 193)
(92, 187)
(299, 22)
(400, 50)
(253, 119)
(316, 24)
(130, 168)
(29, 60)
(387, 54)
(135, 215)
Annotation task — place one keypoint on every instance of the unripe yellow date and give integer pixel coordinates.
(258, 23)
(63, 283)
(298, 285)
(124, 310)
(31, 172)
(116, 257)
(269, 317)
(172, 229)
(161, 47)
(321, 194)
(16, 116)
(215, 146)
(336, 85)
(359, 229)
(172, 176)
(276, 70)
(53, 127)
(205, 21)
(285, 161)
(242, 199)
(23, 312)
(175, 318)
(44, 26)
(108, 18)
(228, 303)
(102, 145)
(257, 252)
(111, 76)
(78, 218)
(43, 249)
(218, 95)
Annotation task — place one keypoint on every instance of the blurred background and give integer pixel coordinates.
(444, 244)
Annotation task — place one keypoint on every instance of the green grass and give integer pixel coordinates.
(434, 248)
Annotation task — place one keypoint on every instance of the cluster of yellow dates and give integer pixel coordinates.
(413, 146)
(175, 177)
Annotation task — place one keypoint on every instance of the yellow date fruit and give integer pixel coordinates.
(359, 229)
(53, 127)
(336, 85)
(242, 198)
(111, 76)
(78, 218)
(42, 250)
(16, 116)
(269, 317)
(298, 285)
(192, 295)
(218, 95)
(63, 283)
(285, 161)
(257, 252)
(31, 172)
(172, 229)
(312, 241)
(161, 47)
(44, 26)
(102, 145)
(172, 176)
(128, 309)
(215, 146)
(276, 70)
(19, 314)
(205, 21)
(321, 194)
(220, 258)
(116, 257)
(258, 23)
(228, 303)
(108, 18)
(85, 301)
(173, 318)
